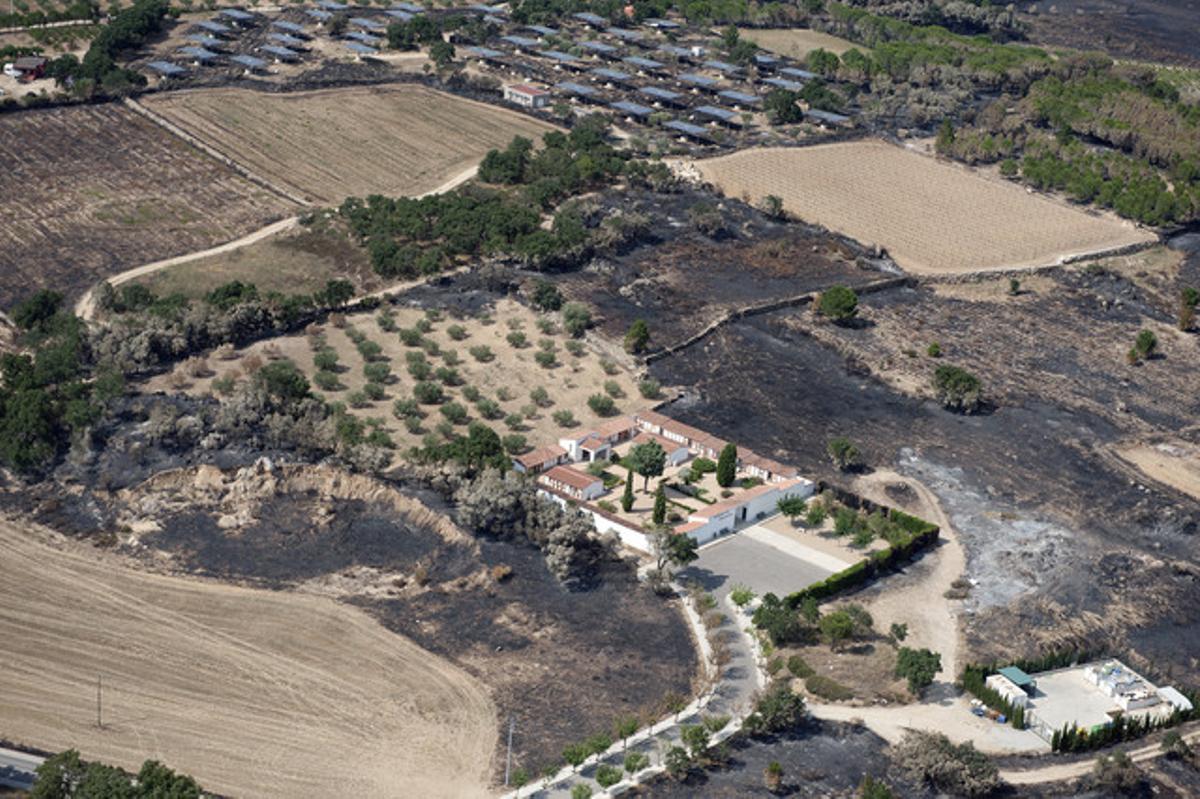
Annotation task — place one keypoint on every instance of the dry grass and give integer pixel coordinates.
(513, 372)
(933, 218)
(334, 143)
(95, 190)
(255, 693)
(797, 42)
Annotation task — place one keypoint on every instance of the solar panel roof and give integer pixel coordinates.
(411, 8)
(199, 53)
(598, 47)
(642, 63)
(666, 24)
(688, 128)
(764, 59)
(741, 98)
(332, 5)
(284, 38)
(520, 41)
(697, 80)
(280, 52)
(214, 27)
(543, 30)
(610, 74)
(238, 14)
(591, 19)
(660, 94)
(484, 52)
(284, 25)
(803, 74)
(364, 22)
(558, 55)
(827, 116)
(675, 50)
(633, 109)
(248, 61)
(722, 66)
(317, 13)
(166, 68)
(204, 41)
(575, 88)
(717, 113)
(783, 83)
(365, 38)
(622, 33)
(400, 14)
(361, 49)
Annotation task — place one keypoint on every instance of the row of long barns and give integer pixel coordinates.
(637, 75)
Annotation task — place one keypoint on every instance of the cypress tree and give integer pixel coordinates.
(660, 505)
(627, 497)
(727, 466)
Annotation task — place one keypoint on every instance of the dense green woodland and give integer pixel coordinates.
(67, 776)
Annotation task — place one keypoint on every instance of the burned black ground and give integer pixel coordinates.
(1147, 30)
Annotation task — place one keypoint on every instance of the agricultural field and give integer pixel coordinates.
(245, 689)
(486, 374)
(933, 218)
(102, 190)
(797, 42)
(336, 143)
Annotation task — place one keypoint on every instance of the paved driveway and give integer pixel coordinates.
(759, 559)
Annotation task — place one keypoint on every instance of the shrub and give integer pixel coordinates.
(428, 393)
(635, 762)
(815, 516)
(224, 385)
(545, 359)
(406, 409)
(326, 381)
(454, 413)
(1146, 344)
(546, 296)
(325, 359)
(650, 388)
(448, 376)
(797, 667)
(545, 326)
(515, 443)
(541, 397)
(410, 337)
(576, 318)
(637, 338)
(377, 372)
(957, 389)
(423, 325)
(960, 770)
(934, 350)
(839, 304)
(358, 399)
(420, 370)
(602, 405)
(777, 709)
(369, 350)
(430, 346)
(482, 353)
(613, 389)
(564, 418)
(575, 347)
(489, 409)
(471, 393)
(517, 339)
(741, 596)
(456, 332)
(918, 666)
(827, 688)
(374, 391)
(581, 791)
(608, 776)
(514, 421)
(450, 357)
(610, 367)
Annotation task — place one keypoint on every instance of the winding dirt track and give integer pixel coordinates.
(255, 693)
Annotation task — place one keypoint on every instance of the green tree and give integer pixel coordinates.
(677, 762)
(1145, 345)
(635, 762)
(727, 466)
(602, 404)
(772, 206)
(283, 382)
(337, 293)
(957, 389)
(608, 776)
(918, 666)
(637, 337)
(627, 496)
(546, 296)
(836, 627)
(783, 106)
(441, 53)
(659, 514)
(945, 137)
(35, 312)
(673, 549)
(773, 776)
(775, 710)
(576, 318)
(581, 790)
(695, 737)
(575, 754)
(624, 728)
(843, 453)
(791, 506)
(647, 459)
(839, 304)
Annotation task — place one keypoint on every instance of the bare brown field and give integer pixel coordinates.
(933, 218)
(1173, 463)
(94, 190)
(797, 42)
(334, 143)
(255, 693)
(507, 378)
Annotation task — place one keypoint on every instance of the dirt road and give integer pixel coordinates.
(255, 693)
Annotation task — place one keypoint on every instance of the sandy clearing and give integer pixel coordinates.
(1174, 463)
(798, 42)
(933, 217)
(328, 144)
(256, 693)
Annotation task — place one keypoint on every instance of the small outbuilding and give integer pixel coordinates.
(526, 95)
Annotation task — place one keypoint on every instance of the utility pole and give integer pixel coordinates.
(508, 758)
(99, 706)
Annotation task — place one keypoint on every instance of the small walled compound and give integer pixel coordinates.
(566, 472)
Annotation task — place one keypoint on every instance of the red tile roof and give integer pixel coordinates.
(537, 457)
(615, 427)
(570, 477)
(526, 88)
(667, 444)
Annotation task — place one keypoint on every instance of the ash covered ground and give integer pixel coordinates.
(1146, 30)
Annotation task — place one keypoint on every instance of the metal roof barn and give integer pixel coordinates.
(199, 54)
(166, 69)
(632, 109)
(285, 39)
(666, 95)
(642, 63)
(740, 98)
(695, 131)
(613, 75)
(717, 113)
(577, 89)
(782, 83)
(591, 19)
(248, 61)
(282, 53)
(802, 74)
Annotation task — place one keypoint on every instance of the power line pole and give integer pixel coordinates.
(99, 706)
(508, 758)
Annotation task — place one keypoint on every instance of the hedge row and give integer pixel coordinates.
(1122, 728)
(974, 680)
(920, 534)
